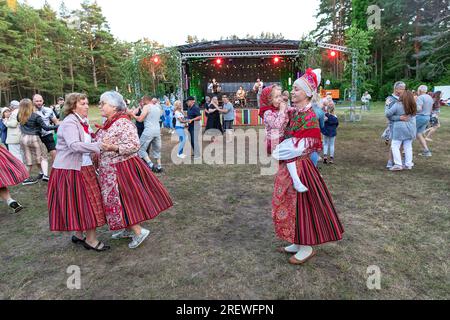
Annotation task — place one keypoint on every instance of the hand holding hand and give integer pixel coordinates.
(404, 118)
(109, 147)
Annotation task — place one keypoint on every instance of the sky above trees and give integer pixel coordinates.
(170, 21)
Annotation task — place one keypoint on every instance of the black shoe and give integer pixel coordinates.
(17, 207)
(40, 176)
(30, 181)
(157, 170)
(97, 248)
(77, 240)
(46, 178)
(325, 160)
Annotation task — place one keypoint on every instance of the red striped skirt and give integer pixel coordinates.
(131, 193)
(308, 218)
(74, 200)
(12, 170)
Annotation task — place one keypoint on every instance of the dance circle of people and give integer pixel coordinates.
(410, 116)
(107, 177)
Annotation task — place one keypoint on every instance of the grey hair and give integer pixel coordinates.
(399, 84)
(423, 88)
(114, 99)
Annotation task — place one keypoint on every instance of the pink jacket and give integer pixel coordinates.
(71, 145)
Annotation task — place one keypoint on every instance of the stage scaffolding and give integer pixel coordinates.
(231, 49)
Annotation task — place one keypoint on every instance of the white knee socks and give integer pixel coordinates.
(298, 185)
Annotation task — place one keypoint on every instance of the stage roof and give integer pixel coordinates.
(240, 45)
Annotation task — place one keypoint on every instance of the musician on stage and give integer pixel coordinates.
(241, 96)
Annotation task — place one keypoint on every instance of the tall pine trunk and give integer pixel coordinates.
(94, 69)
(417, 44)
(72, 79)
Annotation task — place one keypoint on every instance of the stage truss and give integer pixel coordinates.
(239, 54)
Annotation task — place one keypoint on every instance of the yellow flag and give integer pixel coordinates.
(12, 4)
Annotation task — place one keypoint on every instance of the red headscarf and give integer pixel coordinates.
(265, 104)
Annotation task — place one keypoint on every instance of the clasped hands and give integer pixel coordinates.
(107, 146)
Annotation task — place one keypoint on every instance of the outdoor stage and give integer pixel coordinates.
(236, 63)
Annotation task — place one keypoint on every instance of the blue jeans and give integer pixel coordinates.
(182, 136)
(328, 143)
(314, 158)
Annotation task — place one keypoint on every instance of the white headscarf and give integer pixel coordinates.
(306, 85)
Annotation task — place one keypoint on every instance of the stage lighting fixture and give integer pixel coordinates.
(156, 59)
(218, 61)
(332, 54)
(276, 60)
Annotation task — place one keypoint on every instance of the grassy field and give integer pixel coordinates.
(218, 242)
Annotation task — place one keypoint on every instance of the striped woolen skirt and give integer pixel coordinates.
(308, 218)
(12, 170)
(74, 200)
(131, 193)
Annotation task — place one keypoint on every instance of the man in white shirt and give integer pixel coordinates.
(258, 88)
(47, 139)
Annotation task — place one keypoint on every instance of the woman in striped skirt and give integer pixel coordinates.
(12, 172)
(74, 196)
(308, 218)
(131, 192)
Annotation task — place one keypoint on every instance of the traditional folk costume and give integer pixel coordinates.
(131, 192)
(74, 196)
(274, 121)
(12, 172)
(308, 218)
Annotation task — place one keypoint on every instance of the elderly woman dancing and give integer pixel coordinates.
(131, 192)
(304, 219)
(74, 198)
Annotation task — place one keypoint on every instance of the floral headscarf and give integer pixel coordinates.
(265, 104)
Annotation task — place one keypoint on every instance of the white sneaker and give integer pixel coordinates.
(124, 234)
(137, 240)
(181, 156)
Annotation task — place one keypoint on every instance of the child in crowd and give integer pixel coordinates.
(329, 132)
(168, 116)
(5, 113)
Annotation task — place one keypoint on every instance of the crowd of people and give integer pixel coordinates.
(410, 116)
(108, 177)
(96, 178)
